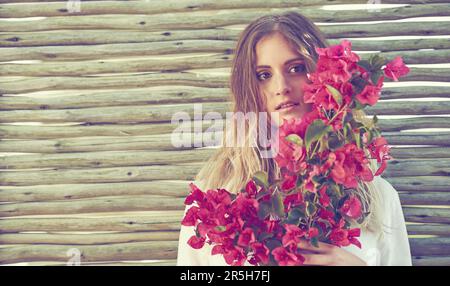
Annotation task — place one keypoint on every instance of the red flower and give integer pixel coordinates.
(247, 236)
(260, 253)
(313, 232)
(286, 258)
(352, 208)
(379, 149)
(292, 236)
(371, 93)
(195, 195)
(396, 68)
(190, 219)
(196, 242)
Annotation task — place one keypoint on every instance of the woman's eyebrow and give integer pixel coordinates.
(287, 62)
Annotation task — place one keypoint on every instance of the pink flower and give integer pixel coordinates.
(260, 253)
(379, 149)
(196, 242)
(195, 195)
(247, 236)
(396, 69)
(371, 93)
(352, 208)
(286, 258)
(292, 236)
(191, 216)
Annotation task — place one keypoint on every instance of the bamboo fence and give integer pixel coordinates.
(86, 101)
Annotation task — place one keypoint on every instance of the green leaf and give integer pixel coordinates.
(220, 228)
(265, 235)
(365, 64)
(357, 137)
(335, 93)
(277, 204)
(294, 138)
(315, 131)
(294, 215)
(261, 179)
(375, 119)
(375, 76)
(261, 194)
(264, 210)
(377, 62)
(359, 105)
(315, 242)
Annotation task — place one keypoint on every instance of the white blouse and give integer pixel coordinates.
(392, 249)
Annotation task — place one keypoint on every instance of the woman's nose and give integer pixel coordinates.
(282, 86)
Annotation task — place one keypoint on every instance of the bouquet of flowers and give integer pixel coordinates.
(322, 158)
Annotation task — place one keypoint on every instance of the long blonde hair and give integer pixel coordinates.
(233, 167)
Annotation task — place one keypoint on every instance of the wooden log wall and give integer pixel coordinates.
(86, 100)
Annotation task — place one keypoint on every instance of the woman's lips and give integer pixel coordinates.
(288, 107)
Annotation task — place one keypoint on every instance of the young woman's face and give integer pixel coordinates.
(281, 75)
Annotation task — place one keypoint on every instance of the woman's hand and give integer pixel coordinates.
(328, 255)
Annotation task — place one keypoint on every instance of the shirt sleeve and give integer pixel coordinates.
(394, 247)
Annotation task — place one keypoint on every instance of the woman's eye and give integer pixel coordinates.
(260, 76)
(264, 75)
(299, 68)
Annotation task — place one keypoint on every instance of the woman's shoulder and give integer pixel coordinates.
(386, 189)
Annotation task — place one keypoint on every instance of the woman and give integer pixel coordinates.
(272, 57)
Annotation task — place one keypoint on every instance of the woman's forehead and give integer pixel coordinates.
(275, 49)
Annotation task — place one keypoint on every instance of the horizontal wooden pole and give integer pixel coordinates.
(32, 84)
(165, 262)
(91, 37)
(119, 251)
(118, 204)
(102, 51)
(427, 215)
(92, 52)
(129, 66)
(156, 250)
(176, 94)
(428, 198)
(104, 159)
(220, 60)
(150, 158)
(161, 6)
(431, 261)
(418, 167)
(421, 183)
(428, 229)
(58, 7)
(164, 142)
(160, 203)
(142, 96)
(170, 221)
(216, 18)
(171, 188)
(416, 187)
(396, 168)
(108, 82)
(99, 175)
(8, 131)
(430, 246)
(166, 113)
(420, 152)
(87, 239)
(161, 221)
